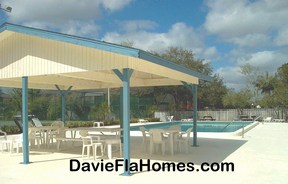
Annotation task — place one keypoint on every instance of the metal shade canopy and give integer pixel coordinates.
(35, 58)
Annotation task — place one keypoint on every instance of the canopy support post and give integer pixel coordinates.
(63, 94)
(193, 89)
(125, 111)
(25, 120)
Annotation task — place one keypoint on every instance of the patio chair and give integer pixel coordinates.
(32, 136)
(145, 137)
(14, 140)
(61, 137)
(157, 138)
(37, 122)
(183, 140)
(87, 144)
(267, 119)
(170, 118)
(3, 137)
(90, 142)
(56, 125)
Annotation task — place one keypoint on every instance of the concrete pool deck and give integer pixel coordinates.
(260, 157)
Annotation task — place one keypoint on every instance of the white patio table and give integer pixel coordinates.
(171, 133)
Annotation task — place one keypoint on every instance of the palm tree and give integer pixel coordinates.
(265, 83)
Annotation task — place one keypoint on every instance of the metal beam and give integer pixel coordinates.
(193, 89)
(63, 94)
(125, 95)
(25, 120)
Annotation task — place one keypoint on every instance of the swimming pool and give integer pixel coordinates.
(207, 126)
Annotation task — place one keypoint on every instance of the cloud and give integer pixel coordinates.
(73, 16)
(282, 38)
(210, 53)
(114, 5)
(268, 61)
(179, 35)
(232, 77)
(240, 21)
(251, 40)
(264, 61)
(137, 25)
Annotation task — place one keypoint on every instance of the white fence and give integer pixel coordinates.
(226, 114)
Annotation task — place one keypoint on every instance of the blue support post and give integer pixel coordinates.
(63, 101)
(125, 78)
(121, 112)
(193, 89)
(25, 120)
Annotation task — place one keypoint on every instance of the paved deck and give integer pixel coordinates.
(260, 157)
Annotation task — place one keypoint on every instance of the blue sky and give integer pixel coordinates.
(226, 33)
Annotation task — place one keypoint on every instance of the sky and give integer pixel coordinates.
(226, 33)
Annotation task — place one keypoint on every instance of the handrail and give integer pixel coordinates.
(227, 125)
(257, 118)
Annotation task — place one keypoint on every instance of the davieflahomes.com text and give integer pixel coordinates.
(146, 165)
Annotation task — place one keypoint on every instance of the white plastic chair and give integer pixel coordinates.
(87, 144)
(55, 126)
(32, 136)
(157, 138)
(37, 122)
(183, 139)
(267, 119)
(90, 142)
(15, 140)
(3, 139)
(145, 137)
(60, 136)
(170, 118)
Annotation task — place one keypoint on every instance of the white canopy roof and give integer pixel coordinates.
(50, 58)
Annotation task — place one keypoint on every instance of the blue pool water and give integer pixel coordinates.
(207, 126)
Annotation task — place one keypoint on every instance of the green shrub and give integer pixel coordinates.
(134, 120)
(112, 122)
(10, 129)
(153, 119)
(74, 124)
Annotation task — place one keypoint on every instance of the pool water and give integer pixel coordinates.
(207, 126)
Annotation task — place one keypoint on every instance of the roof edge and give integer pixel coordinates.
(77, 40)
(160, 61)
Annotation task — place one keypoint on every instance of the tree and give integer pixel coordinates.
(237, 100)
(280, 94)
(216, 89)
(185, 58)
(282, 74)
(77, 105)
(251, 73)
(16, 102)
(265, 83)
(100, 111)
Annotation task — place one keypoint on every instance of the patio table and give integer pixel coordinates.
(171, 134)
(94, 129)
